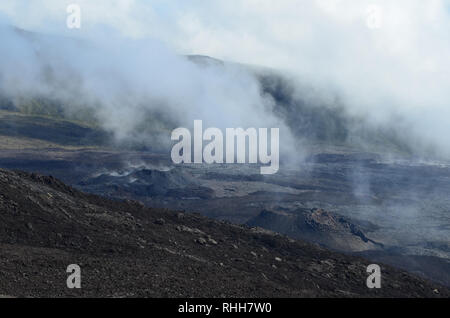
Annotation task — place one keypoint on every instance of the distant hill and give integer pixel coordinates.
(316, 225)
(34, 130)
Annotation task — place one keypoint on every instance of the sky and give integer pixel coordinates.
(328, 41)
(384, 58)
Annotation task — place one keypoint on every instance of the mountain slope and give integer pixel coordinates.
(316, 225)
(125, 249)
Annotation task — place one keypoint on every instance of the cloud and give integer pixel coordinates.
(128, 83)
(397, 71)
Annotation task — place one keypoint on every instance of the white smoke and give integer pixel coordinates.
(394, 75)
(126, 80)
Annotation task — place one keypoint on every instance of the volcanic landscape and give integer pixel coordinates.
(72, 192)
(317, 202)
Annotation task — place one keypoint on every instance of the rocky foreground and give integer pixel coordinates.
(127, 250)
